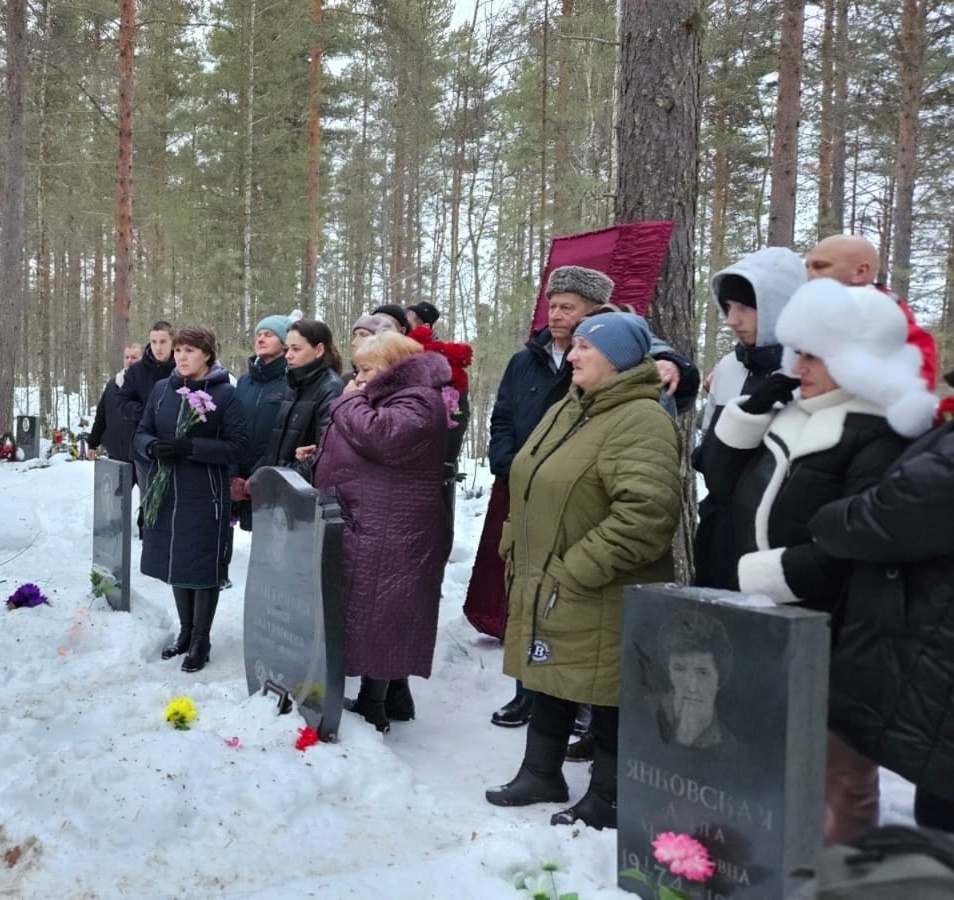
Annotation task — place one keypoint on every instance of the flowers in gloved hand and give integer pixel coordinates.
(196, 405)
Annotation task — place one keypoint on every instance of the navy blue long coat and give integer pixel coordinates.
(186, 546)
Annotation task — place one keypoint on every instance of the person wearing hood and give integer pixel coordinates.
(751, 294)
(594, 503)
(795, 444)
(313, 382)
(392, 418)
(260, 392)
(109, 431)
(185, 544)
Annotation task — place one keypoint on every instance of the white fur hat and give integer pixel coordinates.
(861, 336)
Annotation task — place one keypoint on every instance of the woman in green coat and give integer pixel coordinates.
(594, 502)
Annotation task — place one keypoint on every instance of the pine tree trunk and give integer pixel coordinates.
(310, 280)
(910, 78)
(781, 229)
(12, 223)
(660, 65)
(122, 287)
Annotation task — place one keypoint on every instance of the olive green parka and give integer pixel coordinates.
(594, 502)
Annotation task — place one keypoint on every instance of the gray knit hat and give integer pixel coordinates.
(588, 283)
(622, 338)
(374, 324)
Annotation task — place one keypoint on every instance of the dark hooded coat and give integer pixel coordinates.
(393, 555)
(187, 545)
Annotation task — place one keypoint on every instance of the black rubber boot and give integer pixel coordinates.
(206, 600)
(540, 779)
(185, 607)
(597, 807)
(370, 703)
(399, 704)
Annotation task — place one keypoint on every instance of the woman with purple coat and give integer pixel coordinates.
(390, 419)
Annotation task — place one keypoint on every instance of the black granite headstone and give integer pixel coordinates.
(112, 530)
(28, 437)
(722, 737)
(294, 633)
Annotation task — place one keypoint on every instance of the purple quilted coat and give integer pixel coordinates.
(383, 456)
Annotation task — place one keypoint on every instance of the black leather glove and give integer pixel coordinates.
(777, 388)
(166, 451)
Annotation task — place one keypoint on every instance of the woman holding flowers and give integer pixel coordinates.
(191, 431)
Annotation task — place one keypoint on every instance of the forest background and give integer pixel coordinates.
(217, 162)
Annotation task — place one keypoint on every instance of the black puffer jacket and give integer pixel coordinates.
(779, 469)
(141, 378)
(892, 672)
(303, 415)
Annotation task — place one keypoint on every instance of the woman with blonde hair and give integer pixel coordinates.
(392, 417)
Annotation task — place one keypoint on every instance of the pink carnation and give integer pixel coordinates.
(684, 856)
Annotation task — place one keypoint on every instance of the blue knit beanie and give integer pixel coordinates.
(277, 325)
(623, 338)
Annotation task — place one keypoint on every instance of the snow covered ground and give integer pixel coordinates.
(101, 798)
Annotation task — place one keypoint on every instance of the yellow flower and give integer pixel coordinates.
(180, 712)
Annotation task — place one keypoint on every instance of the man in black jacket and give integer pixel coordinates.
(141, 377)
(109, 431)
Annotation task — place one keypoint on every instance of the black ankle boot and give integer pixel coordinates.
(597, 807)
(180, 645)
(370, 703)
(540, 778)
(206, 600)
(399, 704)
(185, 607)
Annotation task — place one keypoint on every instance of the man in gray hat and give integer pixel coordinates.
(535, 378)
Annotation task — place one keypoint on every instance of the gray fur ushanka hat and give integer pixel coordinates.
(588, 283)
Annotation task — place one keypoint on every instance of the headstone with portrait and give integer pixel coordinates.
(112, 531)
(294, 632)
(28, 437)
(722, 738)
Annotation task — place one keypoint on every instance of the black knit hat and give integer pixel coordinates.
(428, 313)
(395, 312)
(737, 289)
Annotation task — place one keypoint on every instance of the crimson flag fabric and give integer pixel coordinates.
(631, 254)
(486, 604)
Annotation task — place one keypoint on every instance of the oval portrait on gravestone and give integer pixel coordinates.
(696, 660)
(279, 535)
(25, 423)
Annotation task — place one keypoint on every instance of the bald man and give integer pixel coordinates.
(854, 261)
